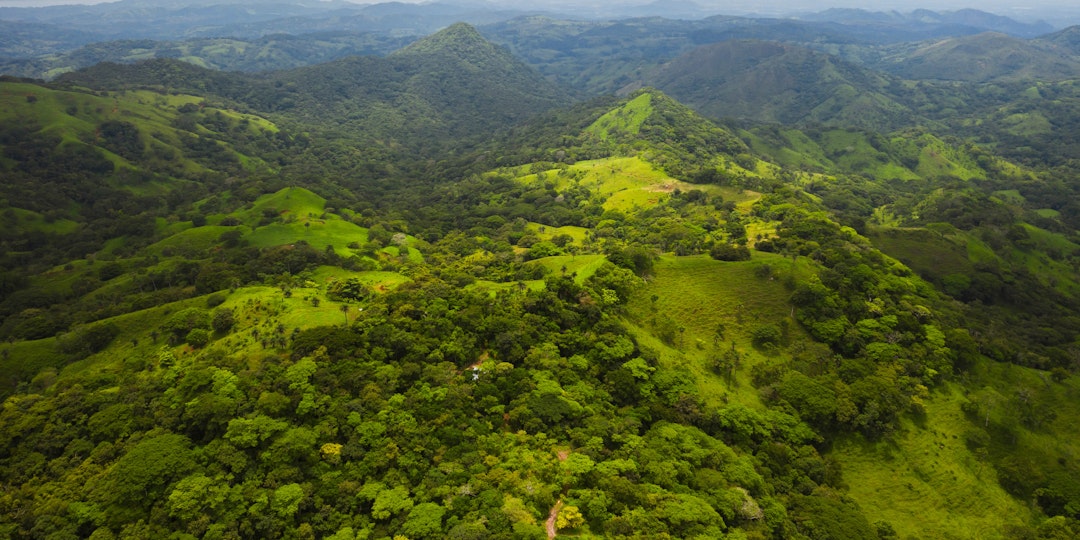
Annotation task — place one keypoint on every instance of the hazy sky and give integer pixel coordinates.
(1020, 9)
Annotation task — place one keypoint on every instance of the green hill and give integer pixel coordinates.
(449, 86)
(271, 52)
(773, 82)
(985, 57)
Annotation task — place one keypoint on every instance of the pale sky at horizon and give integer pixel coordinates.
(1027, 11)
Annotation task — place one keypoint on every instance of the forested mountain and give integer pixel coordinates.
(449, 85)
(274, 51)
(963, 21)
(982, 58)
(772, 82)
(162, 19)
(431, 295)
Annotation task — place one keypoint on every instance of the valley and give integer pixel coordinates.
(475, 283)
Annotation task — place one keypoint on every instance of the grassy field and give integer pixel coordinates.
(74, 117)
(294, 201)
(624, 120)
(928, 252)
(36, 222)
(583, 266)
(265, 309)
(926, 482)
(693, 297)
(545, 232)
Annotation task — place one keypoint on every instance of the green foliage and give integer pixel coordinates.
(350, 289)
(728, 252)
(542, 324)
(144, 473)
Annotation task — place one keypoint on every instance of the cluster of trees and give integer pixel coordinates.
(436, 413)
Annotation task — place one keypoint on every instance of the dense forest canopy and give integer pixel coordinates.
(451, 293)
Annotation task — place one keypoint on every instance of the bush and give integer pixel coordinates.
(223, 320)
(767, 336)
(183, 322)
(88, 340)
(729, 252)
(198, 337)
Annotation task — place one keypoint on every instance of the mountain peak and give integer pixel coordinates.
(458, 38)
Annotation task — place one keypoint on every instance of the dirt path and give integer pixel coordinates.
(550, 525)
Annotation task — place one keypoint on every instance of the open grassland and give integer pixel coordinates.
(197, 240)
(928, 252)
(582, 266)
(318, 233)
(625, 120)
(293, 201)
(926, 482)
(378, 280)
(28, 220)
(545, 232)
(688, 299)
(632, 183)
(260, 311)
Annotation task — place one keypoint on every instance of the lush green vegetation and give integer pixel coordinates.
(227, 315)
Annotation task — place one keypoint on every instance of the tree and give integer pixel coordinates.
(569, 517)
(723, 251)
(349, 289)
(223, 320)
(286, 500)
(198, 337)
(390, 502)
(424, 521)
(148, 469)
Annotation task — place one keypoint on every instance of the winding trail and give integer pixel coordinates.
(550, 525)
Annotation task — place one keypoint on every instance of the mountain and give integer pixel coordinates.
(20, 39)
(243, 305)
(958, 22)
(982, 58)
(145, 19)
(773, 82)
(276, 51)
(429, 295)
(603, 56)
(1068, 39)
(449, 86)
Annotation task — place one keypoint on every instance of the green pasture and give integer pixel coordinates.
(545, 232)
(582, 266)
(690, 297)
(625, 120)
(319, 233)
(34, 221)
(926, 482)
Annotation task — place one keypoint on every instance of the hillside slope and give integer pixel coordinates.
(985, 57)
(772, 82)
(449, 86)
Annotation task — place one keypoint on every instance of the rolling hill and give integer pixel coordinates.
(984, 57)
(772, 82)
(451, 85)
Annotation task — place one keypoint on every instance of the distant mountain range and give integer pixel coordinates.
(447, 86)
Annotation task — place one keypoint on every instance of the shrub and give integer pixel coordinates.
(198, 337)
(223, 320)
(729, 252)
(767, 336)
